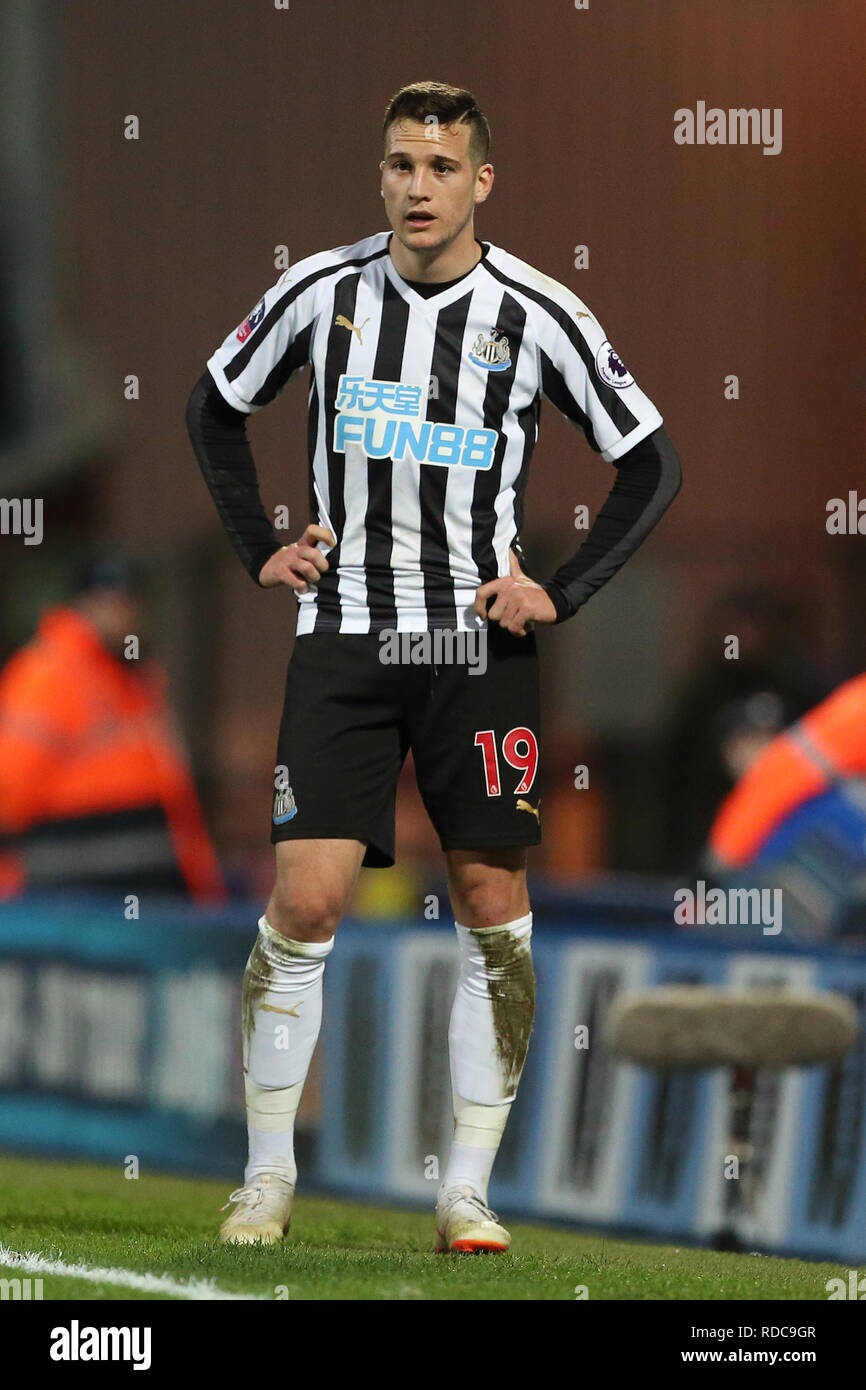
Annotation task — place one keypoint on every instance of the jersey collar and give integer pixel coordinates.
(426, 307)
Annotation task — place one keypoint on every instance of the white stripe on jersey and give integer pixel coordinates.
(419, 466)
(406, 502)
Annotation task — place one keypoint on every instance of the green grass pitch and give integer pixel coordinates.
(92, 1215)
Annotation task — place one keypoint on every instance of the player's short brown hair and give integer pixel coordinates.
(450, 106)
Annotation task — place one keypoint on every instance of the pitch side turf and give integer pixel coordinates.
(155, 1237)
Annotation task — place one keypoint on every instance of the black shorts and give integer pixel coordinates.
(350, 718)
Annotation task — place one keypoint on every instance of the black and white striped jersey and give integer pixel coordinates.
(423, 415)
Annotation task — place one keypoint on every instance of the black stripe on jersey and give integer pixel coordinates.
(528, 421)
(297, 356)
(327, 617)
(611, 400)
(276, 311)
(445, 367)
(511, 320)
(557, 392)
(378, 521)
(312, 438)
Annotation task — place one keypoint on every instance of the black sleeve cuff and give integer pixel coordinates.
(260, 559)
(560, 602)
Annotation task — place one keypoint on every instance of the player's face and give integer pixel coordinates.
(430, 184)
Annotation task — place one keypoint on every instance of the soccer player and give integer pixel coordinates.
(430, 351)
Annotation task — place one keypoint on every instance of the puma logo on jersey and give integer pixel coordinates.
(533, 810)
(579, 314)
(272, 1009)
(343, 322)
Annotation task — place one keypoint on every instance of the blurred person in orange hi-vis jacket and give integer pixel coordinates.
(95, 788)
(822, 751)
(575, 810)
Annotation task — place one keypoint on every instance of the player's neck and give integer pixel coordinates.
(436, 267)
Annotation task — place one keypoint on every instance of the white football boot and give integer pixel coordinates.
(262, 1213)
(465, 1225)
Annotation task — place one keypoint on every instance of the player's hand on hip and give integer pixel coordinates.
(518, 603)
(300, 564)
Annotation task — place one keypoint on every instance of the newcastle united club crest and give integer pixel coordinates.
(493, 353)
(284, 806)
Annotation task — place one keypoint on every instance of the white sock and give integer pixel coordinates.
(488, 1038)
(282, 1014)
(478, 1131)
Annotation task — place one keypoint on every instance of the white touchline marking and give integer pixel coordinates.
(96, 1274)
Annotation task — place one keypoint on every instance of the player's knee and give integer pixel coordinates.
(304, 912)
(481, 903)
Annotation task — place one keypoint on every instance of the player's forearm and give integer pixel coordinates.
(648, 479)
(218, 435)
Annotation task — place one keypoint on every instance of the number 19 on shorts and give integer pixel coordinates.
(519, 750)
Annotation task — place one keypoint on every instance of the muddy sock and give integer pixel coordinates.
(488, 1038)
(282, 1013)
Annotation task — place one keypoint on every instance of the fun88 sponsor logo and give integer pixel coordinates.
(385, 418)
